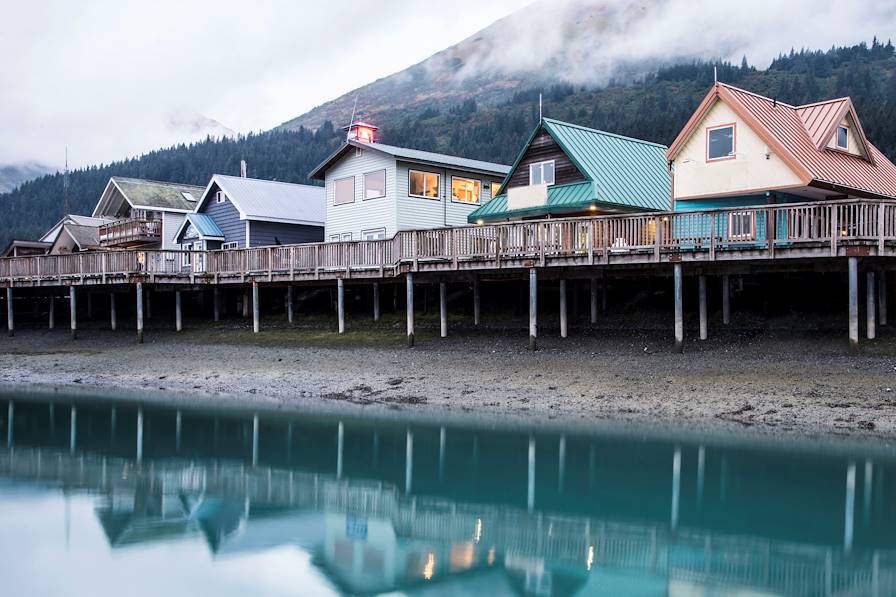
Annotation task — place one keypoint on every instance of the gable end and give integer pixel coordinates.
(544, 147)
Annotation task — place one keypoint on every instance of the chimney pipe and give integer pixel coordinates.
(242, 168)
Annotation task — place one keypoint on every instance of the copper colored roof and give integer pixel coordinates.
(799, 135)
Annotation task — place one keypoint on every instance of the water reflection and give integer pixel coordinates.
(276, 505)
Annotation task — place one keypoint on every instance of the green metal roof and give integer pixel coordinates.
(627, 174)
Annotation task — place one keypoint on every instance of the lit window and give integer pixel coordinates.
(720, 142)
(542, 173)
(220, 197)
(375, 234)
(375, 184)
(495, 187)
(345, 191)
(465, 190)
(423, 184)
(842, 137)
(740, 225)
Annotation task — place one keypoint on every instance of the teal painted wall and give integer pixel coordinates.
(700, 226)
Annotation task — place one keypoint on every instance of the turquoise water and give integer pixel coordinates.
(114, 498)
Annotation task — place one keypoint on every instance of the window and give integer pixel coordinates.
(334, 238)
(220, 197)
(346, 236)
(495, 187)
(542, 173)
(465, 190)
(740, 225)
(185, 256)
(231, 245)
(375, 184)
(842, 137)
(720, 142)
(345, 191)
(375, 234)
(423, 184)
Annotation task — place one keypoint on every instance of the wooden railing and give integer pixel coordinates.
(125, 231)
(741, 232)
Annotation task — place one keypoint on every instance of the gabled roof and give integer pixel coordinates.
(623, 173)
(799, 136)
(51, 234)
(150, 194)
(84, 237)
(270, 201)
(204, 225)
(411, 155)
(31, 245)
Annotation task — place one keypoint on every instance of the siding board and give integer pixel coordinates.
(542, 148)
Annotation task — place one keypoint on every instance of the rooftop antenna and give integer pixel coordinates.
(65, 185)
(352, 121)
(540, 116)
(715, 74)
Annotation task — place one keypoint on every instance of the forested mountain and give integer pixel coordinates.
(655, 107)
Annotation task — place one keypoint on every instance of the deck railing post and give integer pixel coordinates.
(414, 248)
(880, 228)
(835, 229)
(770, 217)
(657, 237)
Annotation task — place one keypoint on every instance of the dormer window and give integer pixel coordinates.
(842, 137)
(720, 142)
(220, 197)
(541, 173)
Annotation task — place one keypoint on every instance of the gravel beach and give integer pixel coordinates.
(767, 381)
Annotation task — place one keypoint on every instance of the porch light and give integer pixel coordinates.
(665, 218)
(593, 208)
(480, 222)
(844, 232)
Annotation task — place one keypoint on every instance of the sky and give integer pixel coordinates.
(113, 79)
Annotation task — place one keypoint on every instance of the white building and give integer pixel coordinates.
(375, 190)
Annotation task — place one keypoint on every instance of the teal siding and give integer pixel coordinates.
(701, 226)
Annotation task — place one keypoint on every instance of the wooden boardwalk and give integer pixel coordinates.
(825, 236)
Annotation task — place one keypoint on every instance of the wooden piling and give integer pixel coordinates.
(73, 311)
(853, 263)
(10, 323)
(443, 309)
(533, 309)
(409, 307)
(563, 313)
(679, 308)
(376, 301)
(245, 303)
(882, 297)
(702, 291)
(113, 315)
(256, 309)
(52, 314)
(178, 312)
(871, 306)
(216, 300)
(290, 304)
(340, 304)
(477, 307)
(139, 312)
(593, 301)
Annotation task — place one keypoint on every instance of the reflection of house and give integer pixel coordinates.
(375, 190)
(147, 213)
(740, 148)
(569, 170)
(238, 212)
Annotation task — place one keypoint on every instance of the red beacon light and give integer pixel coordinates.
(361, 131)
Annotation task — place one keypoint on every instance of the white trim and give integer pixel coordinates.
(336, 181)
(159, 209)
(377, 231)
(364, 176)
(837, 137)
(541, 165)
(711, 129)
(230, 245)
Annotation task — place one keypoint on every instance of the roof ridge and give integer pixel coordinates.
(375, 144)
(600, 132)
(283, 182)
(758, 95)
(829, 101)
(162, 182)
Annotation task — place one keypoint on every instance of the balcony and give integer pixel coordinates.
(130, 233)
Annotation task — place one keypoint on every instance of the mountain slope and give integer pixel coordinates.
(12, 175)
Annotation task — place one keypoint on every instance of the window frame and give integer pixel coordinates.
(230, 245)
(438, 196)
(220, 196)
(364, 196)
(751, 235)
(733, 153)
(346, 240)
(493, 187)
(334, 238)
(845, 129)
(541, 165)
(473, 180)
(381, 229)
(336, 182)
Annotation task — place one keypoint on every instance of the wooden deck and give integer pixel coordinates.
(792, 231)
(126, 233)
